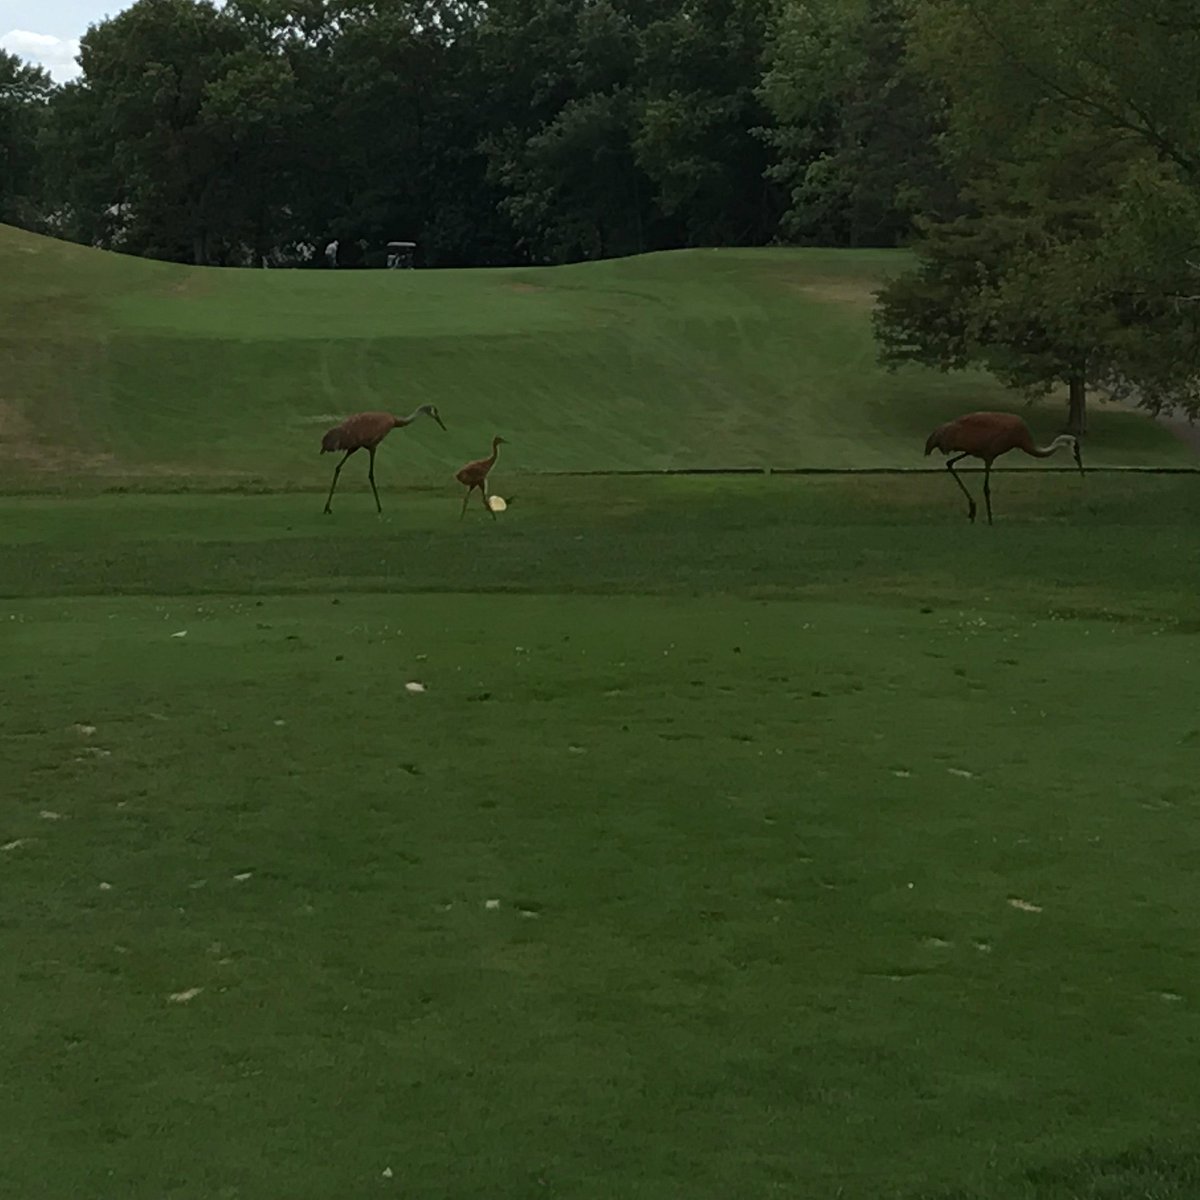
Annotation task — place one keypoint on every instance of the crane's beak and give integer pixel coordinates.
(439, 421)
(1079, 460)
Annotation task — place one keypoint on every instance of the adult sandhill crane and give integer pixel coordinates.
(986, 436)
(474, 475)
(364, 431)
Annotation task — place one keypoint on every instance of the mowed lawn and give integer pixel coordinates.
(119, 369)
(750, 837)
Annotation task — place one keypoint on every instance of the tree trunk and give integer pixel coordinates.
(1077, 406)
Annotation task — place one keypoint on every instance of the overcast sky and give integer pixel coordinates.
(48, 31)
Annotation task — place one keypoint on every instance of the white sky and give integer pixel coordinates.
(48, 31)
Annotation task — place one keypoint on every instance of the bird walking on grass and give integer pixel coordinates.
(364, 431)
(986, 436)
(474, 475)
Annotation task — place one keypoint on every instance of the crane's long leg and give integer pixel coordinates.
(954, 475)
(483, 493)
(464, 507)
(987, 489)
(371, 477)
(336, 472)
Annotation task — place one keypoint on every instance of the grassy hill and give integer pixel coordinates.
(708, 836)
(120, 368)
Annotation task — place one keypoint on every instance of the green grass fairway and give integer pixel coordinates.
(740, 836)
(754, 837)
(119, 369)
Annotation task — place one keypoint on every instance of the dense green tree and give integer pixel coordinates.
(1123, 68)
(624, 125)
(164, 82)
(24, 93)
(563, 77)
(1023, 285)
(1077, 146)
(403, 126)
(79, 163)
(700, 67)
(855, 126)
(265, 128)
(519, 130)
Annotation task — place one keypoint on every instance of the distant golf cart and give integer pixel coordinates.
(400, 254)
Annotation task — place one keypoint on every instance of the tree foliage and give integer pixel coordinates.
(1077, 145)
(856, 127)
(516, 130)
(24, 95)
(561, 149)
(700, 66)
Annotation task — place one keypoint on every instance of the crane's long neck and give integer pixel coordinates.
(1046, 451)
(495, 454)
(402, 421)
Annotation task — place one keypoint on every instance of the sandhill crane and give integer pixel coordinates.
(364, 431)
(986, 436)
(474, 475)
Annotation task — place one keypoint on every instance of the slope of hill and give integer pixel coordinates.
(119, 368)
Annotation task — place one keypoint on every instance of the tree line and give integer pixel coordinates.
(1041, 162)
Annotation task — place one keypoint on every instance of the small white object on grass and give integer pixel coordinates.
(413, 686)
(181, 633)
(497, 503)
(184, 997)
(491, 904)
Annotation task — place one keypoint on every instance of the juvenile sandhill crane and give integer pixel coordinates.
(474, 475)
(986, 436)
(364, 431)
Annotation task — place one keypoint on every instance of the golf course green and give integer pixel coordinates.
(717, 836)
